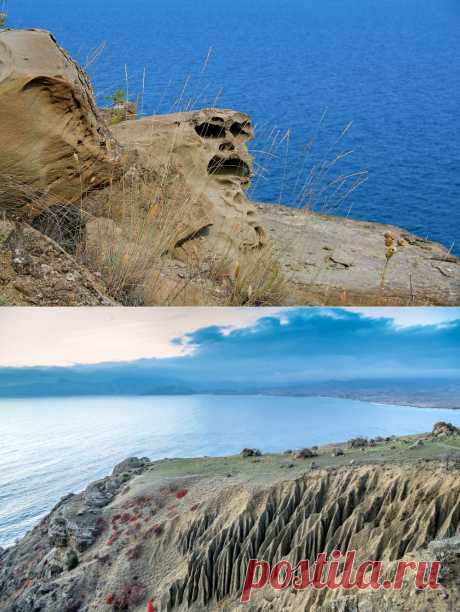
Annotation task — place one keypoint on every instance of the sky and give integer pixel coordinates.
(47, 352)
(66, 336)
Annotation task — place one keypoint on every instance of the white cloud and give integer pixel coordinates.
(409, 317)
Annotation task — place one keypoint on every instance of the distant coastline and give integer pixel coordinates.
(386, 400)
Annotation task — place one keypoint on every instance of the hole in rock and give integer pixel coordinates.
(232, 166)
(210, 130)
(240, 129)
(226, 146)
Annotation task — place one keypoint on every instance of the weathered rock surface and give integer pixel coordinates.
(207, 154)
(338, 261)
(184, 541)
(175, 225)
(36, 271)
(54, 145)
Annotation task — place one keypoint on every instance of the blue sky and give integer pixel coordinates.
(207, 348)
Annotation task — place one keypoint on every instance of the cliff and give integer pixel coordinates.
(179, 533)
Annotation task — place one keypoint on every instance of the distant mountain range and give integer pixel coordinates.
(155, 377)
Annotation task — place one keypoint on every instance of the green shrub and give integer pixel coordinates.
(71, 560)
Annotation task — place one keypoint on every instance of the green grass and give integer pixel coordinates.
(280, 466)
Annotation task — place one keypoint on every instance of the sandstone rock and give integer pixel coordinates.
(120, 111)
(54, 146)
(164, 290)
(339, 261)
(205, 155)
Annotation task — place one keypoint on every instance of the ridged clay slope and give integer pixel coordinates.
(184, 541)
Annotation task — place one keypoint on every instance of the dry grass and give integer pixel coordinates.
(255, 279)
(320, 183)
(129, 234)
(135, 229)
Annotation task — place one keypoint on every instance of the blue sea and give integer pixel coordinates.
(374, 84)
(54, 446)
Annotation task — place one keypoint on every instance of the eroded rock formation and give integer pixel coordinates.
(175, 226)
(54, 146)
(206, 153)
(184, 542)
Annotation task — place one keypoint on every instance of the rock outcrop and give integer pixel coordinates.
(443, 429)
(206, 153)
(54, 145)
(182, 201)
(342, 262)
(158, 206)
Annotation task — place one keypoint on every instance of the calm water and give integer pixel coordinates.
(390, 66)
(51, 447)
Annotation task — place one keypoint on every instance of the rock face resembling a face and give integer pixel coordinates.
(54, 144)
(207, 153)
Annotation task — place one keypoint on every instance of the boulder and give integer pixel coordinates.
(250, 452)
(132, 465)
(305, 453)
(441, 428)
(358, 443)
(54, 144)
(337, 452)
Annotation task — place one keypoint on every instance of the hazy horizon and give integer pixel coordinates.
(233, 350)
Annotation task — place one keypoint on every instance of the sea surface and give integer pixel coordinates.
(304, 70)
(51, 447)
